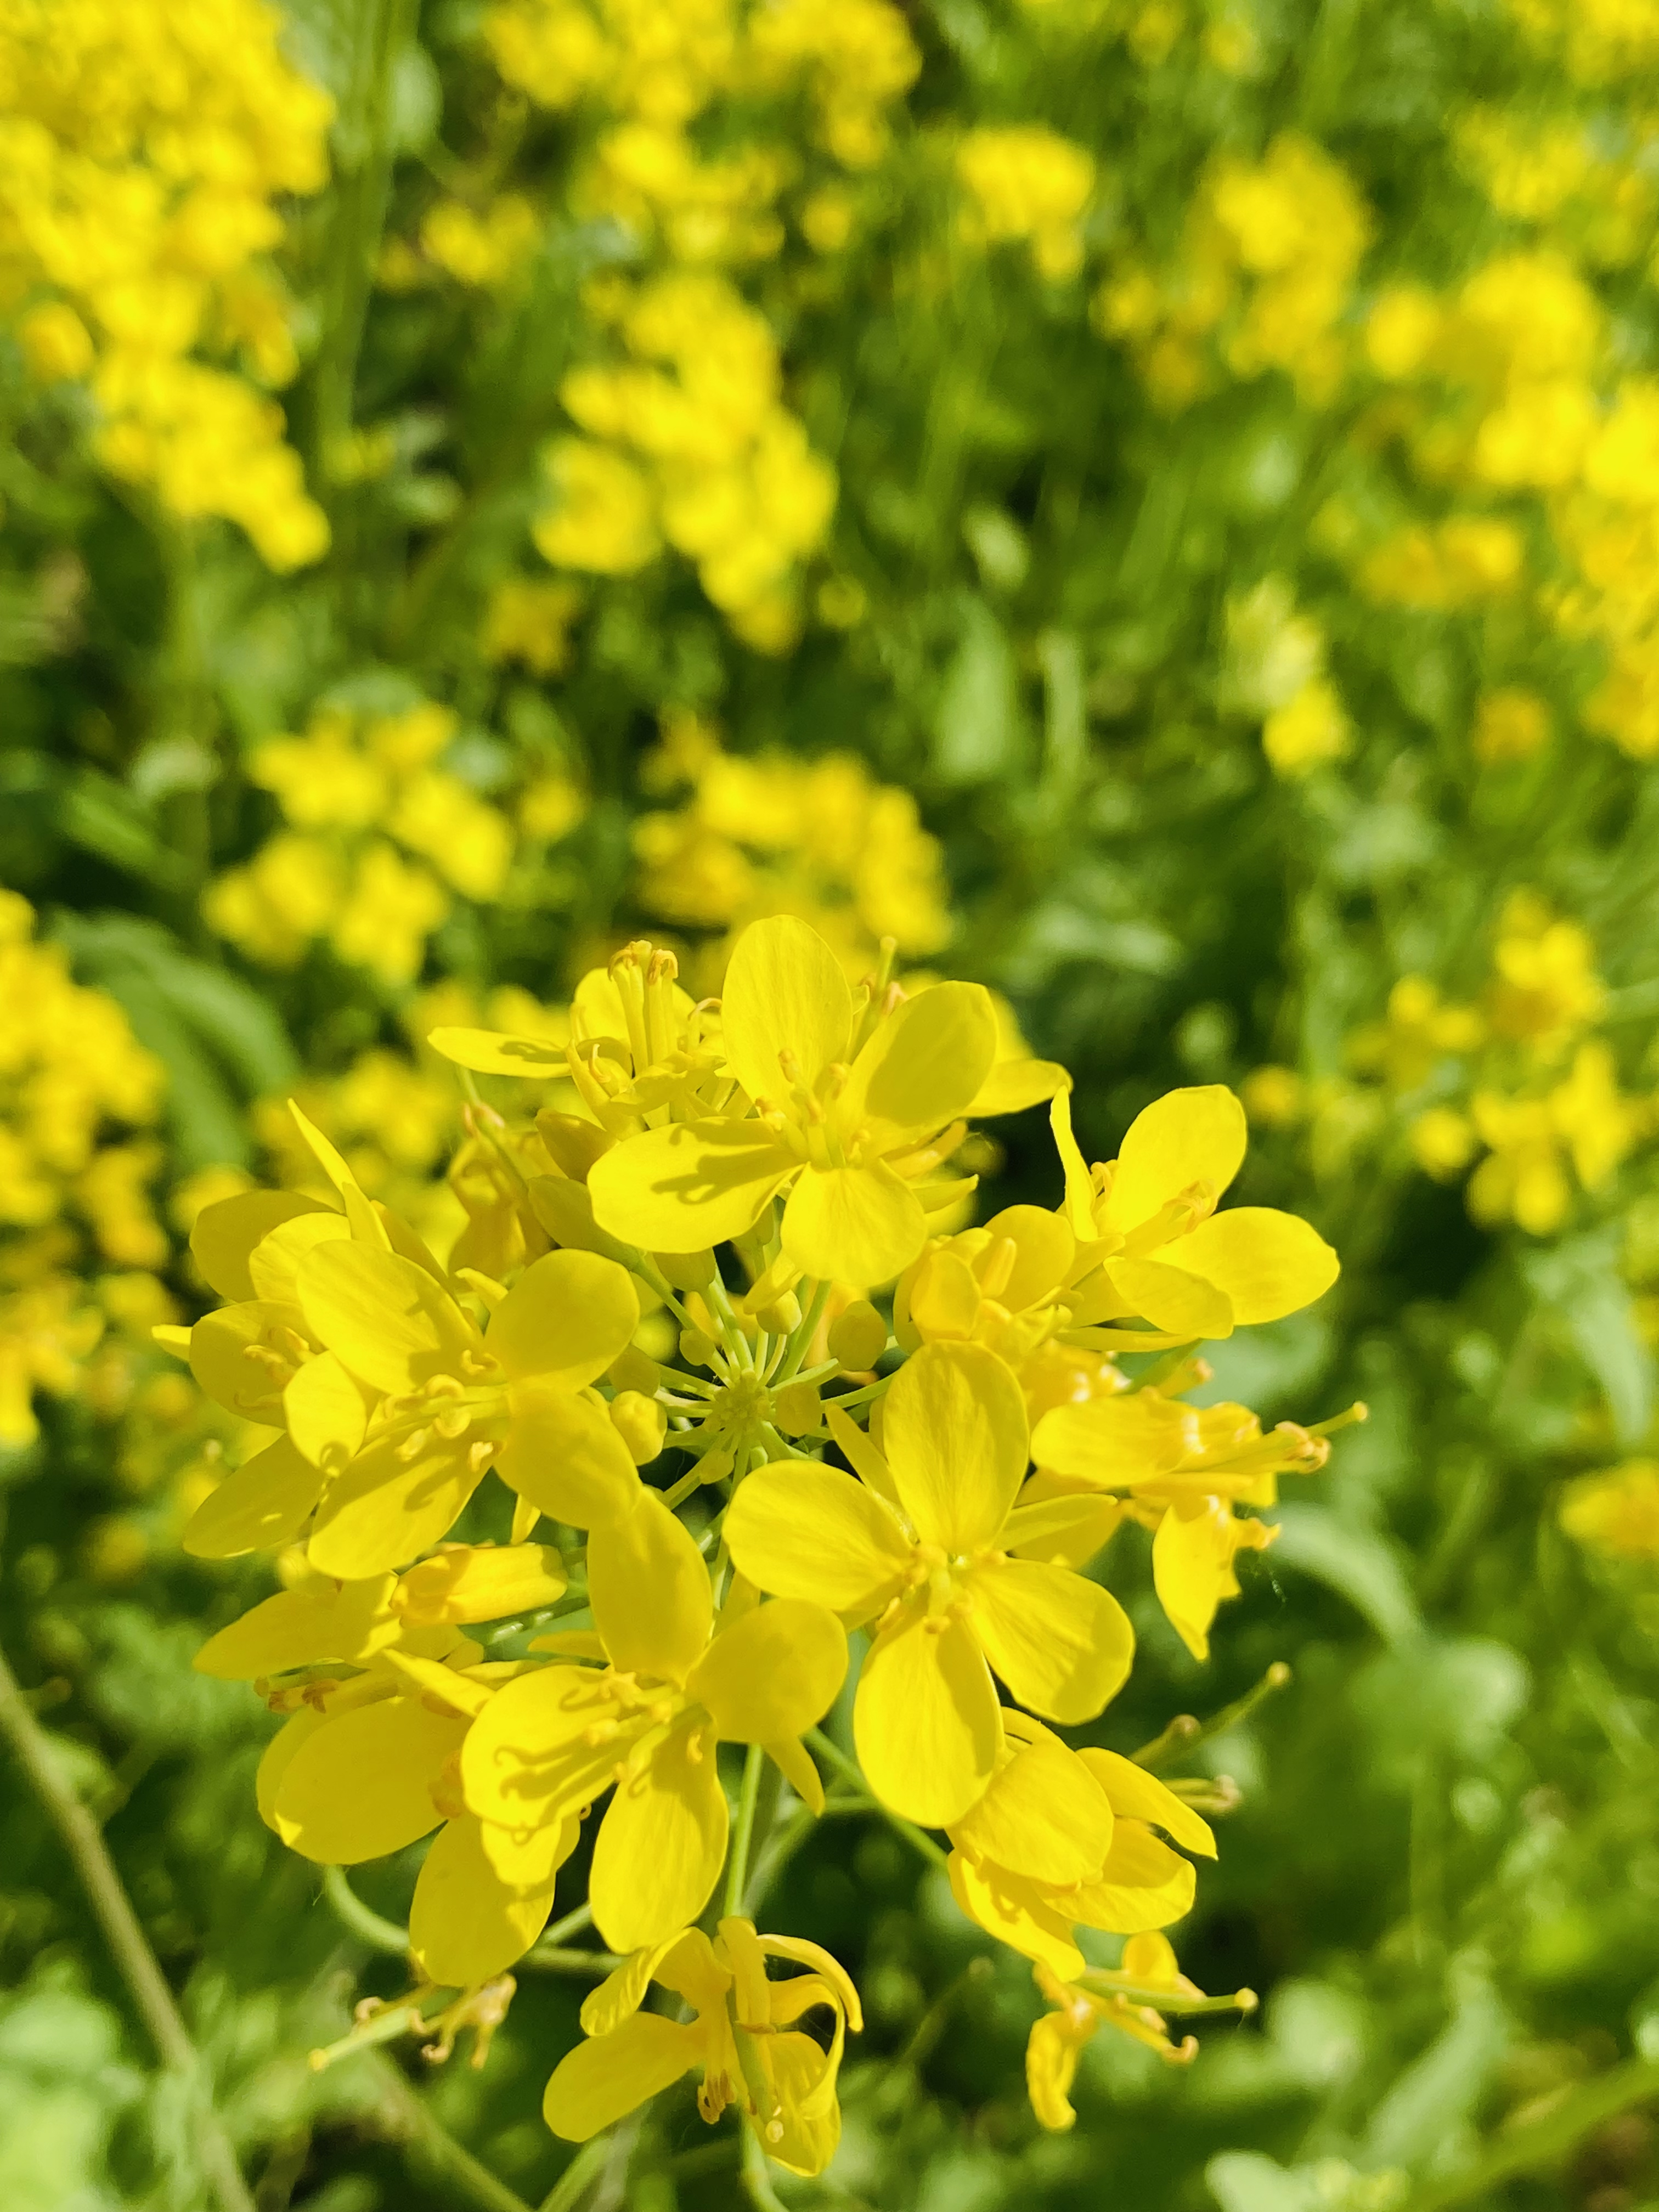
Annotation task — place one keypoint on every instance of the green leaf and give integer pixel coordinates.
(1367, 1568)
(977, 733)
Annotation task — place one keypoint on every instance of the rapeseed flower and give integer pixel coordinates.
(847, 1098)
(673, 1684)
(743, 2039)
(920, 1542)
(1132, 1998)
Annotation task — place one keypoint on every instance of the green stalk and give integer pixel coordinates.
(113, 1909)
(572, 2185)
(736, 1865)
(368, 1926)
(918, 1838)
(804, 1335)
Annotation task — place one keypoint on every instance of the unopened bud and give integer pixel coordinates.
(782, 1316)
(634, 1370)
(696, 1349)
(641, 1424)
(797, 1411)
(858, 1337)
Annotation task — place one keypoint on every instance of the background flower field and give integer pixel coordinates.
(1151, 507)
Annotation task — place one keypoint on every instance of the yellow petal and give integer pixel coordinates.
(227, 1231)
(1045, 1248)
(1137, 1796)
(565, 1210)
(1144, 1885)
(1193, 1565)
(854, 1225)
(690, 1186)
(660, 1845)
(1186, 1137)
(386, 1510)
(623, 1991)
(528, 1761)
(925, 1064)
(327, 1411)
(481, 1582)
(1265, 1263)
(799, 1769)
(563, 1453)
(393, 1327)
(1180, 1303)
(292, 1629)
(495, 1052)
(1078, 1208)
(1066, 1532)
(954, 1432)
(278, 1755)
(861, 1453)
(1113, 1442)
(807, 1532)
(224, 1355)
(274, 1264)
(926, 1720)
(600, 2082)
(648, 1586)
(1016, 1911)
(361, 1786)
(774, 1674)
(565, 1320)
(466, 1924)
(1063, 1645)
(1051, 2057)
(1044, 1816)
(265, 1503)
(944, 1296)
(809, 2118)
(785, 993)
(1014, 1085)
(825, 1965)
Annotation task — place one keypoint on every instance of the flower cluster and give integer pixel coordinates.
(818, 839)
(1026, 183)
(144, 151)
(1518, 1084)
(78, 1102)
(379, 836)
(667, 1540)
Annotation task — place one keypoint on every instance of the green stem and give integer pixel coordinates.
(572, 1925)
(368, 1925)
(804, 1335)
(756, 2180)
(1546, 2140)
(1184, 1733)
(572, 2185)
(918, 1838)
(1167, 2001)
(113, 1911)
(550, 1959)
(434, 2146)
(737, 1866)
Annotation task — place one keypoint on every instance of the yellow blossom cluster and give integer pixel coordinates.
(79, 1098)
(1276, 670)
(1617, 1512)
(1517, 1086)
(378, 836)
(688, 444)
(1263, 281)
(936, 1468)
(1026, 183)
(778, 835)
(143, 152)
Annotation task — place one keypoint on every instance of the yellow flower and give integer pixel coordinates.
(1184, 1468)
(847, 1098)
(1127, 2000)
(920, 1543)
(742, 2037)
(1545, 987)
(1617, 1512)
(1585, 1119)
(1063, 1838)
(1420, 1031)
(552, 1741)
(1160, 1251)
(1306, 730)
(1026, 181)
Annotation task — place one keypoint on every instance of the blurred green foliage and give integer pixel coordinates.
(1112, 491)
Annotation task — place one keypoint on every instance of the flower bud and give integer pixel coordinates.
(782, 1316)
(640, 1423)
(696, 1349)
(797, 1408)
(634, 1370)
(858, 1337)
